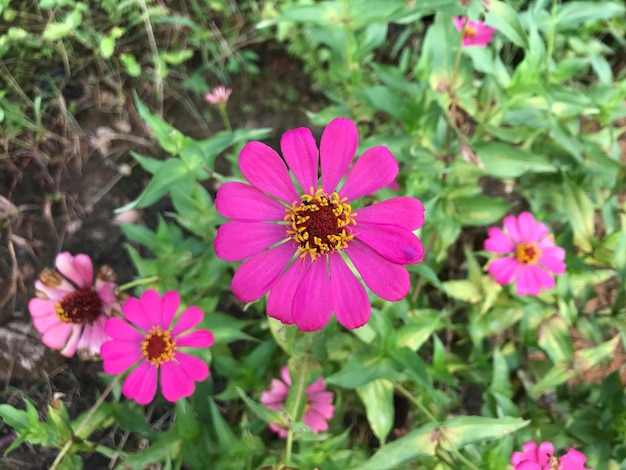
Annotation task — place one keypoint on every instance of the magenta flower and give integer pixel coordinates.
(218, 95)
(317, 410)
(542, 458)
(533, 255)
(152, 338)
(71, 310)
(294, 241)
(475, 33)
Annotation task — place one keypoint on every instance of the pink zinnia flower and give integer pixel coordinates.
(542, 458)
(294, 240)
(533, 255)
(72, 309)
(152, 338)
(475, 33)
(218, 95)
(317, 410)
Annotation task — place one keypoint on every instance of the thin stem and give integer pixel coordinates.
(155, 52)
(84, 421)
(289, 446)
(138, 282)
(225, 119)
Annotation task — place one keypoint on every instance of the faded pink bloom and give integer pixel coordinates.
(151, 337)
(532, 259)
(72, 309)
(542, 458)
(475, 33)
(218, 95)
(317, 410)
(294, 241)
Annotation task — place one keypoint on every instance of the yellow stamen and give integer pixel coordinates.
(158, 346)
(527, 253)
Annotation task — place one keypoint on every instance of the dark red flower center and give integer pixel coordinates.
(79, 307)
(319, 223)
(158, 346)
(527, 253)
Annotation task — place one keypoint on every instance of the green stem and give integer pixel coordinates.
(457, 61)
(289, 446)
(138, 282)
(550, 39)
(222, 108)
(83, 422)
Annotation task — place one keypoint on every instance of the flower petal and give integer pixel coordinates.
(300, 152)
(239, 240)
(525, 225)
(188, 319)
(196, 339)
(43, 323)
(153, 306)
(350, 302)
(337, 148)
(554, 264)
(245, 203)
(403, 211)
(499, 242)
(312, 305)
(315, 421)
(57, 292)
(393, 243)
(527, 282)
(280, 300)
(544, 452)
(57, 335)
(141, 383)
(510, 225)
(275, 397)
(374, 170)
(78, 269)
(265, 170)
(119, 356)
(41, 307)
(171, 302)
(134, 312)
(258, 274)
(193, 367)
(174, 382)
(504, 269)
(120, 329)
(387, 280)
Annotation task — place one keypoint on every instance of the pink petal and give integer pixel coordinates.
(459, 22)
(41, 307)
(573, 460)
(153, 306)
(72, 342)
(174, 382)
(510, 225)
(349, 298)
(106, 291)
(56, 336)
(84, 342)
(312, 305)
(171, 302)
(553, 264)
(280, 300)
(387, 280)
(545, 279)
(316, 386)
(98, 335)
(141, 383)
(78, 269)
(553, 252)
(393, 243)
(120, 329)
(504, 269)
(245, 203)
(119, 356)
(326, 410)
(265, 170)
(55, 293)
(282, 433)
(275, 397)
(193, 367)
(545, 450)
(43, 323)
(134, 312)
(525, 225)
(188, 319)
(499, 242)
(527, 281)
(315, 421)
(528, 465)
(239, 240)
(337, 148)
(300, 152)
(284, 373)
(196, 339)
(406, 212)
(374, 170)
(258, 274)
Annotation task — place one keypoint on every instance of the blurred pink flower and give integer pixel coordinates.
(152, 338)
(71, 309)
(317, 410)
(533, 255)
(542, 458)
(475, 33)
(293, 241)
(218, 95)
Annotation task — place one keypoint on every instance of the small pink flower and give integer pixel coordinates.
(542, 458)
(295, 242)
(475, 33)
(317, 410)
(72, 309)
(539, 455)
(218, 95)
(533, 255)
(152, 338)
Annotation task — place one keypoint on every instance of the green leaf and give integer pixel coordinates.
(107, 46)
(361, 370)
(170, 138)
(279, 418)
(505, 161)
(421, 325)
(572, 14)
(377, 396)
(130, 64)
(559, 373)
(580, 212)
(463, 290)
(465, 430)
(480, 210)
(505, 19)
(17, 419)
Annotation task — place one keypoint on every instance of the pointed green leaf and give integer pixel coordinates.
(377, 396)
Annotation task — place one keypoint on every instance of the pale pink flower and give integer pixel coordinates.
(218, 95)
(294, 241)
(72, 309)
(475, 33)
(532, 259)
(542, 457)
(318, 408)
(151, 337)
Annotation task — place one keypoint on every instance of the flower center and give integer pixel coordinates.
(527, 253)
(319, 223)
(469, 32)
(554, 463)
(79, 307)
(158, 346)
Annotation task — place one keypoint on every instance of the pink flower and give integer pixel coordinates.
(533, 255)
(72, 309)
(475, 33)
(152, 338)
(218, 95)
(294, 241)
(543, 458)
(317, 410)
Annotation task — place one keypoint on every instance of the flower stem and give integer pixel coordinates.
(84, 421)
(138, 282)
(224, 114)
(289, 446)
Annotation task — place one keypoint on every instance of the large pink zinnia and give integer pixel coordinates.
(532, 254)
(152, 338)
(318, 408)
(475, 33)
(72, 309)
(293, 240)
(542, 457)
